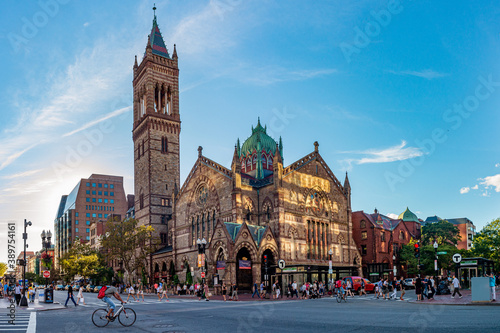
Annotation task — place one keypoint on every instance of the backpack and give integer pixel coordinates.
(101, 292)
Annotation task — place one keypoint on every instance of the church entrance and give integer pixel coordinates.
(268, 268)
(244, 278)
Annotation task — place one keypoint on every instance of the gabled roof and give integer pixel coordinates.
(156, 41)
(432, 219)
(256, 231)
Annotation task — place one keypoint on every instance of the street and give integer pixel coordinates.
(363, 314)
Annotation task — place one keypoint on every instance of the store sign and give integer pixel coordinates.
(289, 269)
(468, 263)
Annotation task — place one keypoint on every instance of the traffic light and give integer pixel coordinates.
(265, 259)
(417, 250)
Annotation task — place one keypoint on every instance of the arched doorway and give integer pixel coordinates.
(244, 278)
(268, 270)
(220, 267)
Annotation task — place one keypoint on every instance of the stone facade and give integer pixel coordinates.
(256, 211)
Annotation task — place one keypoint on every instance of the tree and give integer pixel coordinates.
(486, 243)
(189, 277)
(129, 243)
(427, 256)
(3, 268)
(443, 232)
(81, 260)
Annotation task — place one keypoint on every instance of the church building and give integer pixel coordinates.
(260, 220)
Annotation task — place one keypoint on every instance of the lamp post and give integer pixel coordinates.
(330, 264)
(435, 257)
(46, 236)
(24, 300)
(202, 243)
(394, 269)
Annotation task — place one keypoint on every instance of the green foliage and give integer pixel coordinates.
(3, 268)
(442, 231)
(486, 243)
(129, 243)
(175, 279)
(427, 256)
(80, 260)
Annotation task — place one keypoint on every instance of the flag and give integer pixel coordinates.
(221, 265)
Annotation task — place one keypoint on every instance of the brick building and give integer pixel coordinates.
(465, 226)
(91, 200)
(379, 239)
(19, 268)
(258, 207)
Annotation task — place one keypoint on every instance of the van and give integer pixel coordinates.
(356, 283)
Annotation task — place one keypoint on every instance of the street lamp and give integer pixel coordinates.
(330, 271)
(435, 257)
(24, 300)
(46, 236)
(202, 243)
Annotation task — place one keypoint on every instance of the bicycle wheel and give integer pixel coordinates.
(99, 318)
(339, 298)
(127, 317)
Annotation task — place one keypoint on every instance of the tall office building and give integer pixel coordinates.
(91, 200)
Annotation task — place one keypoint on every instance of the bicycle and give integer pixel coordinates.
(341, 296)
(126, 316)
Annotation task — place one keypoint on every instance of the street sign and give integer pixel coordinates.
(202, 274)
(281, 263)
(330, 271)
(457, 258)
(46, 274)
(330, 265)
(442, 252)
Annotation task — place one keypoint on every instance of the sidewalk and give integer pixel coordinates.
(447, 300)
(35, 306)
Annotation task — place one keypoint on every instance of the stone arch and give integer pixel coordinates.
(250, 247)
(292, 231)
(267, 209)
(268, 246)
(219, 245)
(341, 239)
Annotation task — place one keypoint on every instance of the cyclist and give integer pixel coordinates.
(110, 292)
(343, 290)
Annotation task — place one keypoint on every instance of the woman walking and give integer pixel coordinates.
(207, 292)
(80, 295)
(349, 288)
(224, 290)
(131, 292)
(402, 288)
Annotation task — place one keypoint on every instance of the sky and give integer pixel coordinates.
(402, 95)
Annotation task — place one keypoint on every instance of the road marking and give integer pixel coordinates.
(32, 323)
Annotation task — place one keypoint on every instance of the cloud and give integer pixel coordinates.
(428, 74)
(497, 165)
(86, 24)
(493, 181)
(22, 174)
(391, 154)
(475, 187)
(271, 75)
(464, 190)
(15, 155)
(393, 216)
(97, 121)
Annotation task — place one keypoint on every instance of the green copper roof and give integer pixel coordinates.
(259, 141)
(407, 215)
(256, 231)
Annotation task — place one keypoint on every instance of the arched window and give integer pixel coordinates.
(213, 220)
(254, 160)
(208, 225)
(203, 225)
(362, 224)
(249, 163)
(270, 161)
(264, 160)
(401, 235)
(197, 227)
(243, 165)
(193, 234)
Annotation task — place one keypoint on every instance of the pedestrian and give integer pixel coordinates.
(17, 293)
(295, 291)
(290, 290)
(380, 285)
(385, 289)
(492, 287)
(191, 290)
(131, 292)
(456, 286)
(274, 290)
(362, 287)
(349, 288)
(199, 292)
(255, 290)
(70, 295)
(80, 295)
(278, 290)
(418, 288)
(235, 292)
(224, 290)
(394, 294)
(207, 292)
(178, 289)
(430, 289)
(402, 288)
(140, 291)
(262, 290)
(164, 290)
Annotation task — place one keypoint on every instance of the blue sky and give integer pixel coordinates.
(402, 95)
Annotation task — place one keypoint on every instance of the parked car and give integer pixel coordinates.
(60, 287)
(356, 283)
(409, 283)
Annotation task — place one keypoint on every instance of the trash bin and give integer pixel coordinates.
(49, 295)
(480, 289)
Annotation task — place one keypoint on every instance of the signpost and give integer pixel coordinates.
(457, 258)
(281, 263)
(441, 253)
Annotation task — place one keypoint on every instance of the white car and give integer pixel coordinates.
(409, 283)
